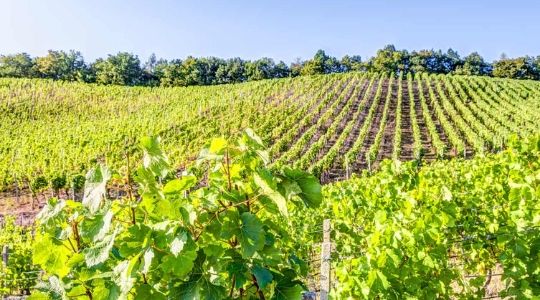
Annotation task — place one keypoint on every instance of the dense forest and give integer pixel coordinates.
(126, 68)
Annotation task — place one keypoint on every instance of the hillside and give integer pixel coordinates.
(332, 125)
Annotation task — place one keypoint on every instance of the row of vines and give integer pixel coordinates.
(335, 125)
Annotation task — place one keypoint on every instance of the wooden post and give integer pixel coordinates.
(326, 249)
(347, 167)
(5, 255)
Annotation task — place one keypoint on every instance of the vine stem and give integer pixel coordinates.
(76, 234)
(232, 286)
(256, 284)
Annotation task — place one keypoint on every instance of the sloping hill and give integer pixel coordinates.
(333, 125)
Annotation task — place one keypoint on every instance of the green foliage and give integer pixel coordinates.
(77, 182)
(321, 64)
(39, 183)
(317, 123)
(17, 65)
(437, 232)
(20, 275)
(226, 234)
(126, 69)
(473, 64)
(352, 63)
(390, 60)
(121, 69)
(58, 182)
(519, 68)
(60, 65)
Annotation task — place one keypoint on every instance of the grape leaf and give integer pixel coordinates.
(251, 234)
(263, 276)
(54, 263)
(95, 187)
(265, 181)
(100, 251)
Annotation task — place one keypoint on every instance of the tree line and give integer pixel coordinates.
(126, 68)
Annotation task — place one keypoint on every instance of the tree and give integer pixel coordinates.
(171, 73)
(391, 60)
(449, 61)
(321, 64)
(232, 71)
(61, 65)
(207, 67)
(153, 70)
(473, 64)
(122, 69)
(351, 63)
(192, 71)
(16, 65)
(518, 68)
(260, 69)
(281, 70)
(536, 66)
(296, 67)
(418, 61)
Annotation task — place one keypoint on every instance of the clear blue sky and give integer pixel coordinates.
(283, 30)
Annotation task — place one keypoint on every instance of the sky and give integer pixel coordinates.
(283, 30)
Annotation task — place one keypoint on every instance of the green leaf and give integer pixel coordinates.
(181, 263)
(178, 244)
(52, 255)
(154, 159)
(95, 187)
(124, 275)
(185, 291)
(146, 291)
(264, 180)
(52, 289)
(239, 270)
(179, 185)
(309, 184)
(290, 188)
(211, 291)
(263, 276)
(288, 292)
(74, 260)
(100, 251)
(51, 210)
(216, 145)
(148, 256)
(287, 287)
(383, 281)
(253, 138)
(39, 295)
(96, 227)
(109, 291)
(251, 235)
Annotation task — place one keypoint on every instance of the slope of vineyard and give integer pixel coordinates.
(331, 125)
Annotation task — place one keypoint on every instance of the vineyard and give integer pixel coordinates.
(269, 151)
(330, 125)
(230, 228)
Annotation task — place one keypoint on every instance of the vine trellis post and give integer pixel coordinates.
(326, 249)
(5, 255)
